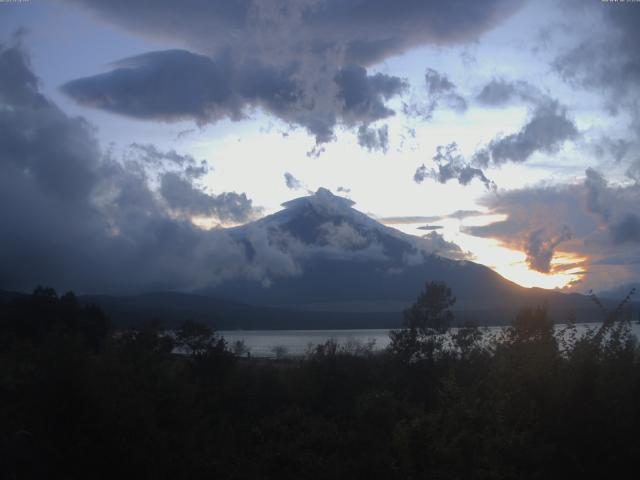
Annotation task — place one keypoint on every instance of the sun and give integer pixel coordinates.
(566, 270)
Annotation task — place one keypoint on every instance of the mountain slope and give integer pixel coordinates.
(344, 260)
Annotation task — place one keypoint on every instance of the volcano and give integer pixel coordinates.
(343, 260)
(319, 263)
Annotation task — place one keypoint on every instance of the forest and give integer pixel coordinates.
(81, 400)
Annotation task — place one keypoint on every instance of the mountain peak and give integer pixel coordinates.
(322, 201)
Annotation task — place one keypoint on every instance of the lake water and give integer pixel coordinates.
(265, 343)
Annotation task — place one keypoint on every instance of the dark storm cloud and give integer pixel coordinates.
(364, 31)
(166, 85)
(374, 138)
(362, 96)
(78, 218)
(303, 62)
(37, 139)
(451, 165)
(176, 84)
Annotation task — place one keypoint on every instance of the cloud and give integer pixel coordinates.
(164, 85)
(434, 243)
(172, 85)
(292, 182)
(605, 60)
(540, 247)
(151, 155)
(596, 193)
(450, 165)
(374, 138)
(458, 214)
(615, 207)
(437, 83)
(343, 236)
(546, 131)
(407, 220)
(303, 62)
(362, 96)
(593, 219)
(500, 92)
(627, 229)
(183, 197)
(80, 219)
(633, 171)
(617, 149)
(441, 91)
(431, 227)
(462, 214)
(363, 32)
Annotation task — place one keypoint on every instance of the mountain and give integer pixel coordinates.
(319, 263)
(339, 259)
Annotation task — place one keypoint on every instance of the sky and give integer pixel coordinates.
(134, 132)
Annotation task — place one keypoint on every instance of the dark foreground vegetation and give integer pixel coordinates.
(78, 401)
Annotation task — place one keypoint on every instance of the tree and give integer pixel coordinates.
(196, 337)
(431, 312)
(424, 323)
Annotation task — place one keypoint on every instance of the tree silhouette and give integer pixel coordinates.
(427, 319)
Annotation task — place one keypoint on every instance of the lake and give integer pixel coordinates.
(294, 343)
